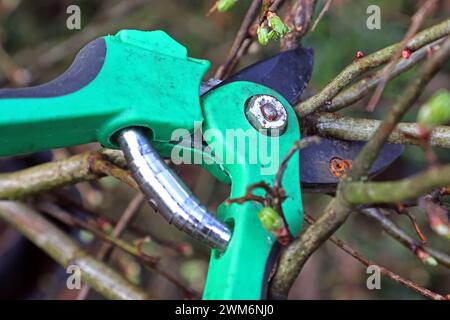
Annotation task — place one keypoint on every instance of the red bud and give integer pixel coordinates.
(406, 54)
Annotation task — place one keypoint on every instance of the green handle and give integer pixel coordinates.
(143, 79)
(241, 271)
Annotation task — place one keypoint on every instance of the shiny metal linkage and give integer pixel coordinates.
(168, 193)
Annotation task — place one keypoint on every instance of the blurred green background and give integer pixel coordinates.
(36, 42)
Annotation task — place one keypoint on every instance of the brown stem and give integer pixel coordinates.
(298, 19)
(403, 238)
(388, 273)
(241, 36)
(106, 248)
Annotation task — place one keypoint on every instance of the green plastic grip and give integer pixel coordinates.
(147, 79)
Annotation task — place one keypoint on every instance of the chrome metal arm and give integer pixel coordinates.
(168, 193)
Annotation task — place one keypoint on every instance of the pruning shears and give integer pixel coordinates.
(132, 90)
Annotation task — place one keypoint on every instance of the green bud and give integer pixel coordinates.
(431, 261)
(436, 111)
(263, 35)
(273, 35)
(270, 219)
(225, 5)
(277, 24)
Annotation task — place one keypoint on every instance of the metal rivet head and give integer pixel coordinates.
(266, 112)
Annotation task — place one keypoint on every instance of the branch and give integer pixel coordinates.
(403, 238)
(370, 151)
(62, 249)
(298, 19)
(295, 256)
(358, 129)
(244, 38)
(106, 248)
(397, 191)
(134, 250)
(358, 90)
(242, 35)
(83, 167)
(416, 21)
(386, 272)
(362, 65)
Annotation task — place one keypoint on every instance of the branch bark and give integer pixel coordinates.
(64, 250)
(396, 191)
(83, 167)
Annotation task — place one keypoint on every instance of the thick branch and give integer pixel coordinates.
(64, 250)
(397, 191)
(83, 167)
(358, 129)
(362, 65)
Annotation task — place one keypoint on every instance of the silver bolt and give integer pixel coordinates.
(266, 112)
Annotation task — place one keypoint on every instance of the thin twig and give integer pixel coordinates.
(298, 145)
(413, 220)
(149, 261)
(360, 66)
(416, 22)
(403, 238)
(358, 90)
(241, 49)
(106, 248)
(243, 33)
(325, 8)
(397, 278)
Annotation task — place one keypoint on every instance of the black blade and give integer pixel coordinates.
(288, 73)
(327, 162)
